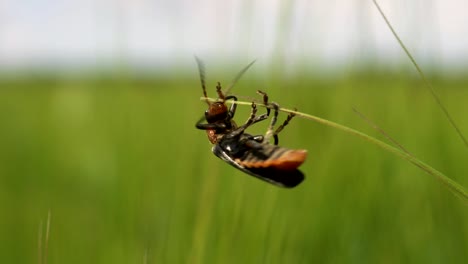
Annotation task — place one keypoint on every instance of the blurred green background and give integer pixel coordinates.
(126, 175)
(112, 153)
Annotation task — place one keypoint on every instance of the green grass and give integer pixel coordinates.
(125, 173)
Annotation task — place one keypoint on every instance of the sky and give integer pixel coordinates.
(156, 33)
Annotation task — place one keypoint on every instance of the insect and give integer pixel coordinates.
(252, 154)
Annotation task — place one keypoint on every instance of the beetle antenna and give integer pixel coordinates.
(201, 70)
(239, 75)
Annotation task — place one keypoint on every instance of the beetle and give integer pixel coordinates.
(252, 154)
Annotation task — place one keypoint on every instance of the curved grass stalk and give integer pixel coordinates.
(452, 185)
(423, 76)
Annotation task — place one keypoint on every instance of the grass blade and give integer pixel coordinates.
(452, 185)
(426, 82)
(381, 131)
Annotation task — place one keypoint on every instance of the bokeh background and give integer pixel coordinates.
(98, 101)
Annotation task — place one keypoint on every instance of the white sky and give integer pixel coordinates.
(67, 33)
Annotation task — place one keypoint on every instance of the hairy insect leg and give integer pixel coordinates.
(252, 116)
(265, 100)
(270, 133)
(286, 122)
(280, 128)
(262, 117)
(247, 123)
(258, 138)
(205, 126)
(232, 109)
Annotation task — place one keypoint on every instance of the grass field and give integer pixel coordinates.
(128, 179)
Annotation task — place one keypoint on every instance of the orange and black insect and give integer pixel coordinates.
(251, 154)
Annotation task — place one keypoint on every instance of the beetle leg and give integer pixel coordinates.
(265, 100)
(217, 126)
(259, 118)
(285, 123)
(248, 123)
(270, 131)
(204, 126)
(252, 116)
(258, 138)
(232, 109)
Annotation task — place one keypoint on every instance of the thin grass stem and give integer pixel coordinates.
(423, 76)
(46, 242)
(452, 185)
(39, 243)
(381, 131)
